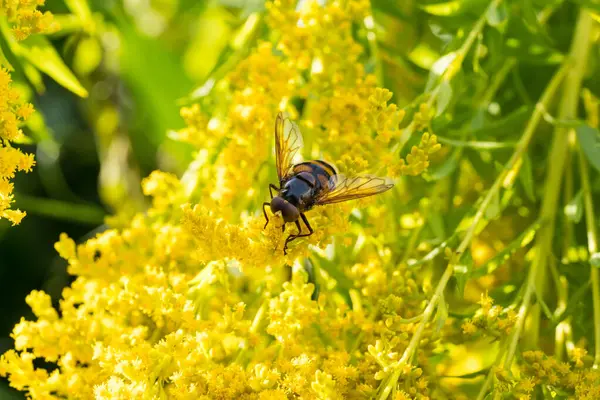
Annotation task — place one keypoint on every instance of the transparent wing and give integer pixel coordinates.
(288, 142)
(343, 188)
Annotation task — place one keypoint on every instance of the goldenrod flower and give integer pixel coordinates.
(192, 299)
(26, 18)
(13, 112)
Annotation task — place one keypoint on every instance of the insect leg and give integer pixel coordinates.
(265, 212)
(271, 187)
(310, 229)
(300, 234)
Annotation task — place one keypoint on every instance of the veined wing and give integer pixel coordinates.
(288, 142)
(342, 188)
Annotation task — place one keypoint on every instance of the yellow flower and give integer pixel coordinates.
(193, 299)
(26, 19)
(13, 112)
(469, 328)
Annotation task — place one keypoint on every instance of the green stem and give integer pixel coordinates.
(490, 375)
(499, 78)
(369, 24)
(414, 342)
(592, 235)
(83, 213)
(455, 65)
(510, 171)
(556, 160)
(560, 281)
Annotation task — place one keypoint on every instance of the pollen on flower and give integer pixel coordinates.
(13, 112)
(26, 19)
(195, 298)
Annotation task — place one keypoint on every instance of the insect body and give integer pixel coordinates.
(305, 185)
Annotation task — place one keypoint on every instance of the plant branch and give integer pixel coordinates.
(592, 236)
(556, 160)
(82, 213)
(505, 179)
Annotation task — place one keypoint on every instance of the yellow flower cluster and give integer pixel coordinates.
(12, 113)
(572, 380)
(490, 320)
(346, 118)
(160, 311)
(241, 137)
(194, 300)
(26, 18)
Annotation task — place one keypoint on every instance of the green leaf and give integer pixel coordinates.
(531, 21)
(39, 131)
(435, 252)
(83, 213)
(228, 58)
(453, 8)
(443, 9)
(8, 393)
(476, 145)
(526, 178)
(595, 260)
(462, 273)
(497, 16)
(575, 301)
(82, 10)
(34, 76)
(69, 24)
(145, 60)
(332, 268)
(88, 56)
(248, 6)
(436, 224)
(38, 50)
(467, 221)
(444, 97)
(390, 8)
(574, 209)
(494, 208)
(527, 47)
(503, 127)
(4, 61)
(441, 315)
(447, 167)
(500, 258)
(438, 68)
(590, 4)
(485, 169)
(589, 140)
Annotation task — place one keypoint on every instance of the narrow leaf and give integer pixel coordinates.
(476, 144)
(447, 167)
(441, 315)
(500, 258)
(589, 140)
(444, 97)
(595, 260)
(81, 9)
(443, 9)
(38, 50)
(574, 209)
(462, 273)
(526, 178)
(497, 16)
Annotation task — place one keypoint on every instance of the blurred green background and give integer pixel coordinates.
(139, 61)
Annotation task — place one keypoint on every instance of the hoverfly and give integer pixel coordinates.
(311, 183)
